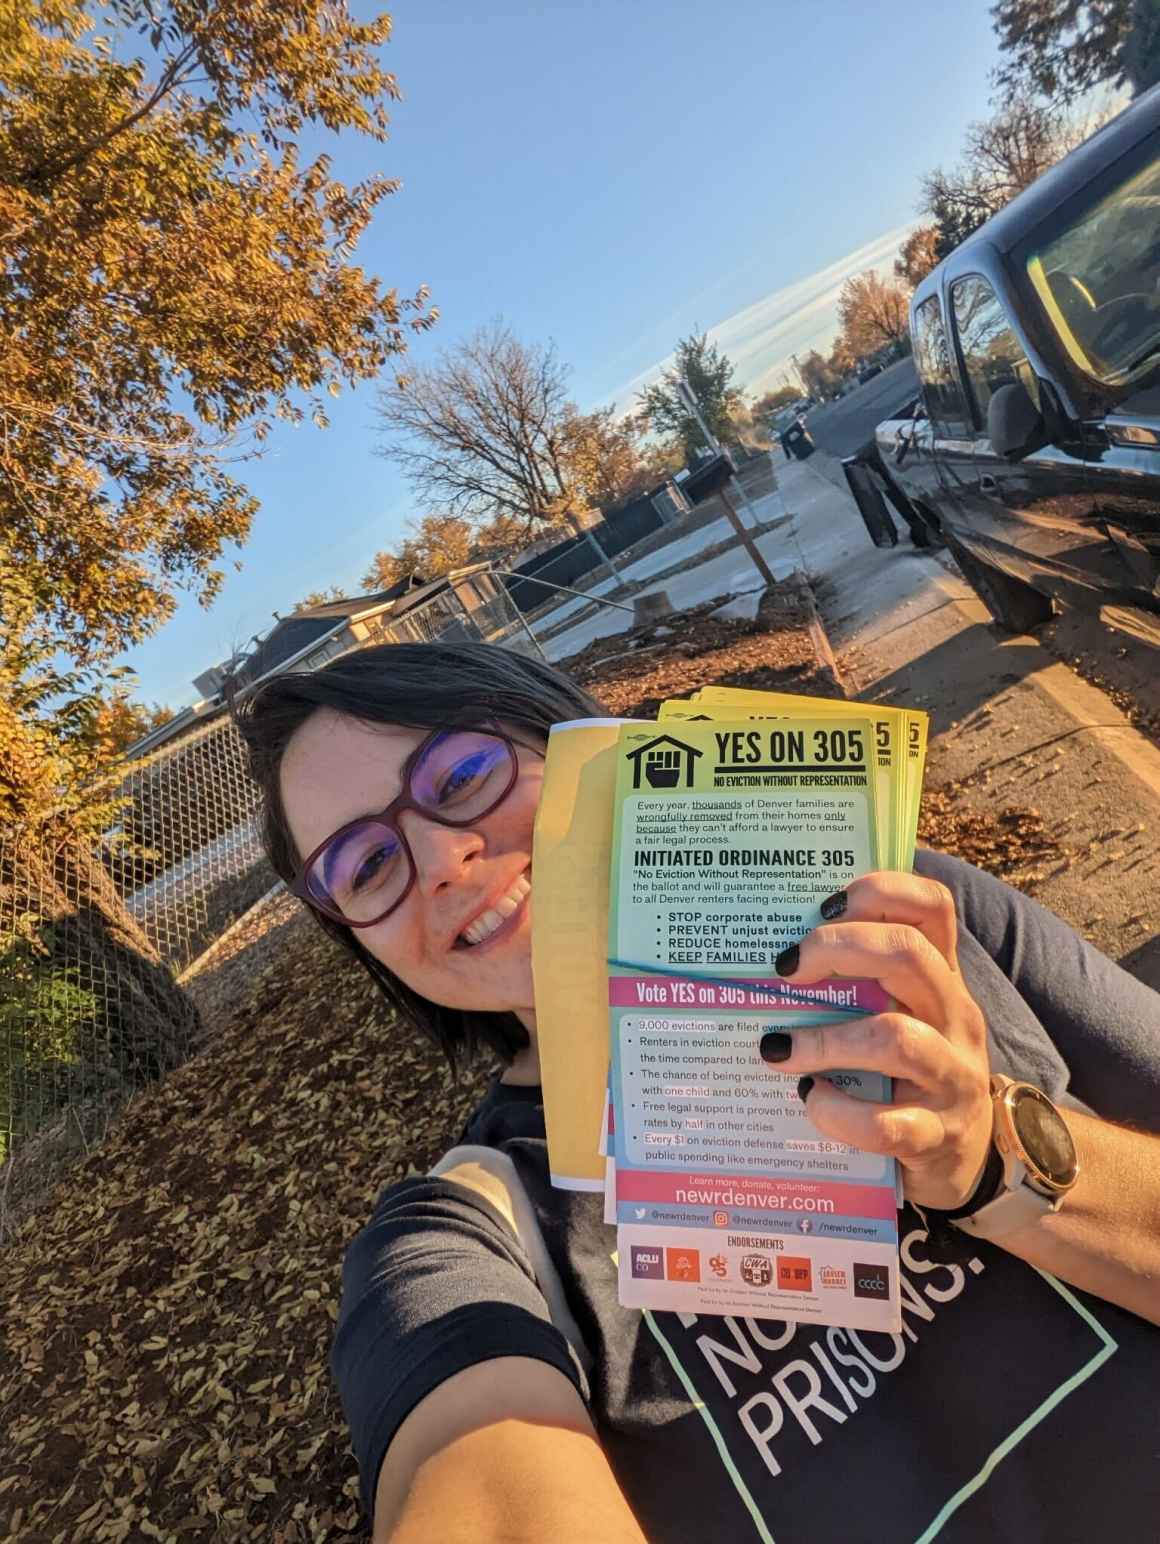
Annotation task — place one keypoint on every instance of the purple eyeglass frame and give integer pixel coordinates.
(389, 818)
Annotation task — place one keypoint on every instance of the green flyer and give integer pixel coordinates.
(726, 838)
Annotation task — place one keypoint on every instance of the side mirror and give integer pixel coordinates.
(1015, 425)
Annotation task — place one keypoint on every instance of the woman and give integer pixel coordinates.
(494, 1387)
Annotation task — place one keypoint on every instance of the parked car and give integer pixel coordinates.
(1034, 449)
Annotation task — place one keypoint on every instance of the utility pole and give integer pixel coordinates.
(691, 405)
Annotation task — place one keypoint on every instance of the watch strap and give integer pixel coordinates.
(1014, 1209)
(990, 1183)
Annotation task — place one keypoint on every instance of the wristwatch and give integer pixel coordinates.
(1032, 1166)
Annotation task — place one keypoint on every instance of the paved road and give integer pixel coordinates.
(843, 427)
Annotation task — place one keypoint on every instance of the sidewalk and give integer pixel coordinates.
(730, 571)
(1010, 724)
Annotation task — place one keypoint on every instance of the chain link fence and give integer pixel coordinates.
(96, 936)
(187, 857)
(475, 606)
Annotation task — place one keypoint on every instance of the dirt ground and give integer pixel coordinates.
(166, 1315)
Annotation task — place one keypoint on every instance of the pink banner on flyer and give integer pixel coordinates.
(750, 1192)
(773, 995)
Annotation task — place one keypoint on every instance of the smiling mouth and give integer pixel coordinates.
(489, 922)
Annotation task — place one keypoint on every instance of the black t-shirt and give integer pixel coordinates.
(1010, 1407)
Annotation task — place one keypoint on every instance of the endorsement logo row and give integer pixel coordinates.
(789, 1273)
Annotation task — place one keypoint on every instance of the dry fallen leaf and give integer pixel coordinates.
(168, 1310)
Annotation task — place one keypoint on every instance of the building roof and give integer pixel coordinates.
(297, 632)
(288, 638)
(355, 605)
(426, 592)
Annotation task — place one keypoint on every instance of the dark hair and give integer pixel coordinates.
(419, 686)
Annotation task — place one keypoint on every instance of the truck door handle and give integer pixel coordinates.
(988, 484)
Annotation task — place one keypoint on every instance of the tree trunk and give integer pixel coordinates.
(94, 995)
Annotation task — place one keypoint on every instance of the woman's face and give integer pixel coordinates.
(337, 768)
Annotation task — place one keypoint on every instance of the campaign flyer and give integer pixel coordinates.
(725, 840)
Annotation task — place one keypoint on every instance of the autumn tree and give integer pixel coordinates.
(176, 279)
(771, 402)
(843, 357)
(1001, 156)
(65, 923)
(872, 313)
(119, 722)
(504, 538)
(320, 598)
(1060, 49)
(709, 374)
(610, 458)
(432, 547)
(492, 444)
(819, 374)
(917, 256)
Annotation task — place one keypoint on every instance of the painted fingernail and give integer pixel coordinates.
(775, 1047)
(834, 906)
(787, 961)
(804, 1086)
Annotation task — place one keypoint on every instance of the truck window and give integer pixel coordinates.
(942, 392)
(1096, 275)
(990, 350)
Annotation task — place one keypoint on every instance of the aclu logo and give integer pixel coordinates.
(872, 1281)
(663, 762)
(648, 1263)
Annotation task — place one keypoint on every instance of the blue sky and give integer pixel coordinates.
(610, 176)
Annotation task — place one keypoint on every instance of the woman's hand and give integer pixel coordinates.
(899, 930)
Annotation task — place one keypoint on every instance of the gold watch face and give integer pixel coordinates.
(1043, 1136)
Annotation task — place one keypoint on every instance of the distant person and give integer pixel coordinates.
(495, 1389)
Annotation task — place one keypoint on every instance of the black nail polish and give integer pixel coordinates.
(787, 961)
(775, 1047)
(804, 1086)
(834, 906)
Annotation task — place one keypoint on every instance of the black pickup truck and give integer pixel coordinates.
(1033, 451)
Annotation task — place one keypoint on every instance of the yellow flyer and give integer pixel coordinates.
(570, 861)
(899, 742)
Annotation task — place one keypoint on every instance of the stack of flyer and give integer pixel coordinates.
(674, 861)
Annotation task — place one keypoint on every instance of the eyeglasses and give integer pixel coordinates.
(365, 870)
